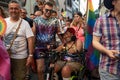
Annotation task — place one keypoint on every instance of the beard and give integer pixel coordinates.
(47, 15)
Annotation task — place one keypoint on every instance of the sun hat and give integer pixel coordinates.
(108, 4)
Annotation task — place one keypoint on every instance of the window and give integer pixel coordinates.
(69, 3)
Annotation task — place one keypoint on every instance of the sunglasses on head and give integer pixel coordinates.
(49, 10)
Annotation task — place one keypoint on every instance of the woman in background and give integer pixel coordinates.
(77, 24)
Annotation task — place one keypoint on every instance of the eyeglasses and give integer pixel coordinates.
(24, 12)
(49, 10)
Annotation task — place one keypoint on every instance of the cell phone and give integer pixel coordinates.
(117, 56)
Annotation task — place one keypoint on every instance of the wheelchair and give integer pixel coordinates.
(82, 73)
(52, 56)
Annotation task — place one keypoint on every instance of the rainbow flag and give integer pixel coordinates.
(92, 56)
(4, 63)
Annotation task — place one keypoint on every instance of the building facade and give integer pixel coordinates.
(69, 6)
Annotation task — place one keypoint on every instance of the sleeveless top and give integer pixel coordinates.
(71, 56)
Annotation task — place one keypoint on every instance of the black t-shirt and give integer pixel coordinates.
(30, 21)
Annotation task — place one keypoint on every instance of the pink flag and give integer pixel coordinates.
(4, 63)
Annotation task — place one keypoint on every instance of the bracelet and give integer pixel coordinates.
(31, 55)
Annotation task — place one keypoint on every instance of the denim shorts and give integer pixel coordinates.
(104, 75)
(40, 53)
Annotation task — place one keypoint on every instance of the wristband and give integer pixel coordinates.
(31, 55)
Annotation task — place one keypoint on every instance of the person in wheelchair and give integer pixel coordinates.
(70, 60)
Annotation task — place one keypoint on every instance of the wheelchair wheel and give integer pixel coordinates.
(80, 75)
(74, 78)
(83, 74)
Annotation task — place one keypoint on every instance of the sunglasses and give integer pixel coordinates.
(49, 10)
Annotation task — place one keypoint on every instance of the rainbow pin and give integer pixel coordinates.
(2, 26)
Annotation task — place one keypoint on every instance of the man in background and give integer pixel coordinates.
(24, 16)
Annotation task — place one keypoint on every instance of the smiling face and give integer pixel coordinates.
(14, 10)
(67, 36)
(23, 13)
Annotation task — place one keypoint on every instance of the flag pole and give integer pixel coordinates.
(86, 17)
(86, 13)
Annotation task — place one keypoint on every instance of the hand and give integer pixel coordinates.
(31, 63)
(111, 54)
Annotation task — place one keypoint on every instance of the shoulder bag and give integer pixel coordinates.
(9, 49)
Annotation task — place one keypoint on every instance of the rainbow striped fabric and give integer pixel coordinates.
(4, 63)
(92, 56)
(2, 26)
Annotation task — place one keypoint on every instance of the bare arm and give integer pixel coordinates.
(58, 33)
(96, 44)
(79, 45)
(30, 45)
(34, 32)
(59, 48)
(31, 41)
(30, 59)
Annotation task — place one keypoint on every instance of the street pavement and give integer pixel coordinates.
(33, 76)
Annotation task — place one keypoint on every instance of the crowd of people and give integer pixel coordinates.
(27, 38)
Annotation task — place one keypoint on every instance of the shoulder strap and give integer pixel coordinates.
(15, 34)
(71, 45)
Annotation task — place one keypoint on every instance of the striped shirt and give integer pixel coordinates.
(108, 29)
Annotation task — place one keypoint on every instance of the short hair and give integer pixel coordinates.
(49, 3)
(24, 9)
(69, 20)
(40, 3)
(53, 11)
(14, 1)
(31, 14)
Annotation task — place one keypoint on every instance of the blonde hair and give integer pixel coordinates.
(76, 23)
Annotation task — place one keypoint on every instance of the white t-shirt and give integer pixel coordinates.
(19, 47)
